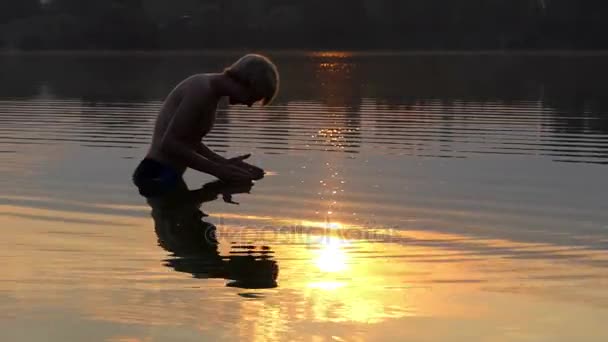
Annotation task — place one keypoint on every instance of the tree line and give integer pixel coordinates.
(310, 24)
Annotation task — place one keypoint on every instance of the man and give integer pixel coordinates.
(188, 114)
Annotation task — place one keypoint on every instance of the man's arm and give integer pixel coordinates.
(176, 137)
(173, 141)
(206, 152)
(254, 171)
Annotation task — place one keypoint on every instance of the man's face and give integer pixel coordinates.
(243, 99)
(245, 96)
(239, 101)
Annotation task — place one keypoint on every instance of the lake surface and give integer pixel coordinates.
(417, 197)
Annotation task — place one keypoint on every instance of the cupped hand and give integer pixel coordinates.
(232, 173)
(256, 172)
(236, 160)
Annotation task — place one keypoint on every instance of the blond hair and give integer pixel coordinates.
(258, 73)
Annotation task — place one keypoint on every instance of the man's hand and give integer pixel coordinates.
(238, 159)
(254, 171)
(231, 173)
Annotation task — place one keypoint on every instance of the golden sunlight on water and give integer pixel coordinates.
(331, 54)
(440, 198)
(332, 257)
(117, 273)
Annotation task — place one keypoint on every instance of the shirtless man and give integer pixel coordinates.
(188, 114)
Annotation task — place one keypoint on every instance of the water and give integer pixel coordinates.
(409, 197)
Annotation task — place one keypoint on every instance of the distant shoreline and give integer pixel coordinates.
(312, 52)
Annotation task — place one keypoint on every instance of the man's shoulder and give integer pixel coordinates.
(195, 86)
(196, 81)
(195, 90)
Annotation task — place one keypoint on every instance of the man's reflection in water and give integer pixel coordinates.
(181, 230)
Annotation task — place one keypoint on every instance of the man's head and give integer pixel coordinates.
(258, 77)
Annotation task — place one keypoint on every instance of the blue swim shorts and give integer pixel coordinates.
(154, 178)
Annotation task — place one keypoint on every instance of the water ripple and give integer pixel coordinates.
(432, 130)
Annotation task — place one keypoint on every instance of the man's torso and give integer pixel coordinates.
(200, 120)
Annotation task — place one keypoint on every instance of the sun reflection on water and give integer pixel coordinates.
(331, 256)
(327, 285)
(332, 54)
